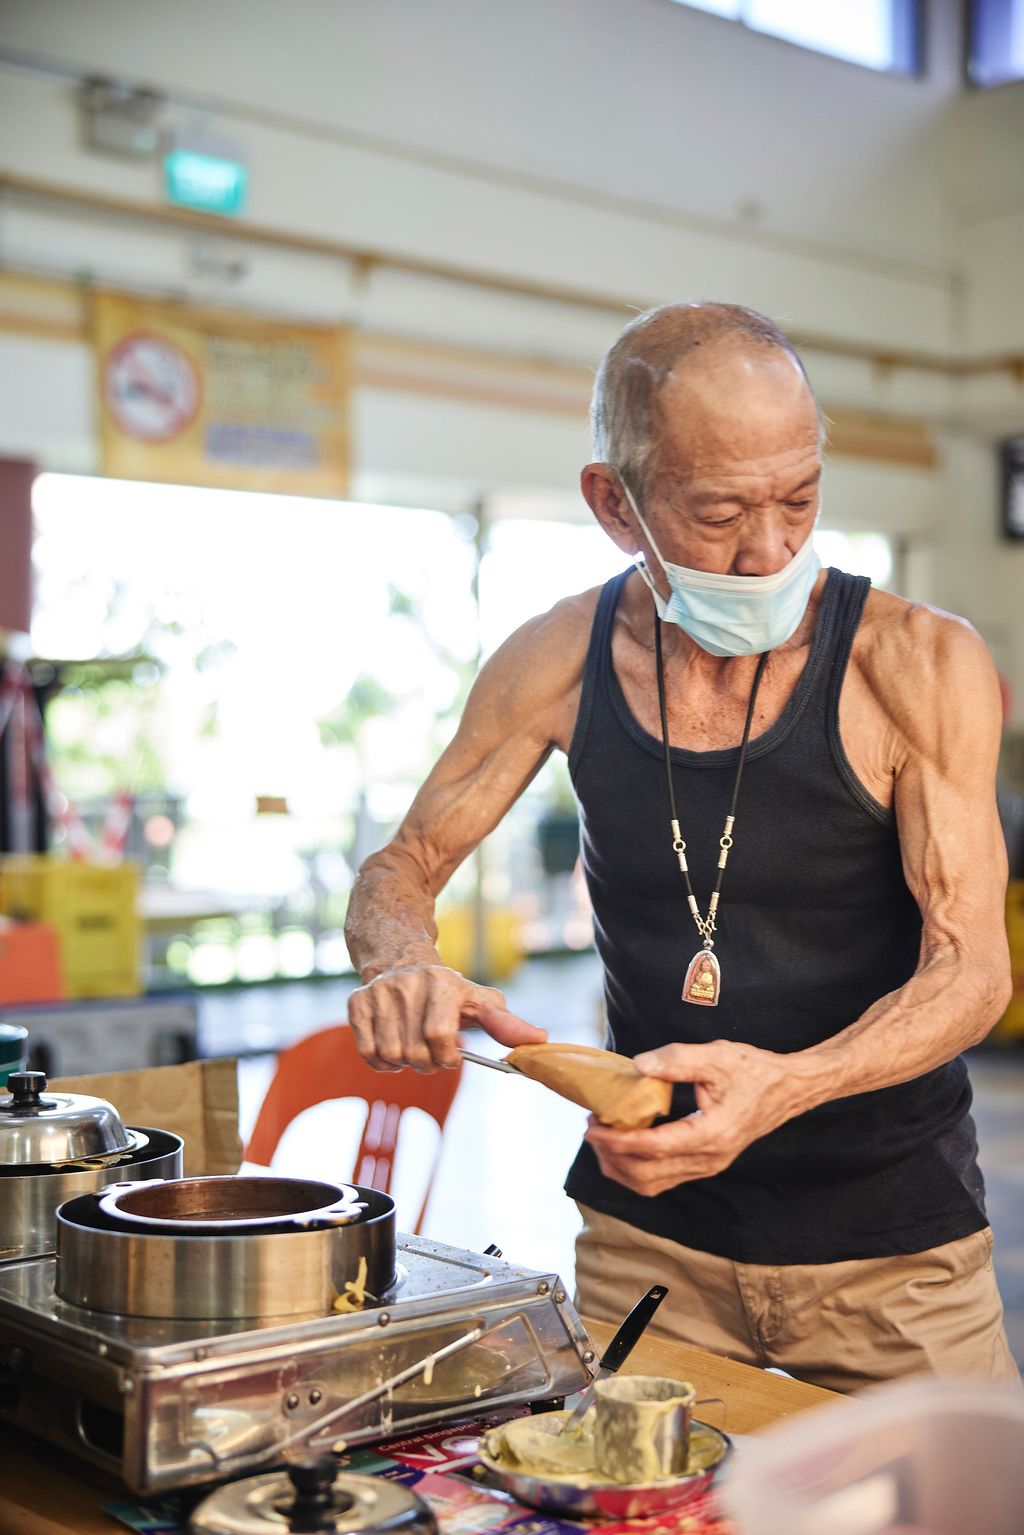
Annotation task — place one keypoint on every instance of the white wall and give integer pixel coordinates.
(984, 189)
(638, 100)
(630, 148)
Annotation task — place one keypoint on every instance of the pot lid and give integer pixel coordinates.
(312, 1496)
(39, 1127)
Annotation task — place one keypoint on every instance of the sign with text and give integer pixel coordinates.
(190, 396)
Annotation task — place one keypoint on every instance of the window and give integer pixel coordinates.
(269, 679)
(880, 34)
(996, 42)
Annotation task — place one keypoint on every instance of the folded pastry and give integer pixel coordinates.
(608, 1085)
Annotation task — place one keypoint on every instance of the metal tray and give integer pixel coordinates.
(609, 1500)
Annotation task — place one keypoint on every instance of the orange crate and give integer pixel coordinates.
(30, 968)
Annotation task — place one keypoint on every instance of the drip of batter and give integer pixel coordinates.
(354, 1294)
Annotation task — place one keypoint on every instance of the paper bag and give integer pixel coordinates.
(198, 1101)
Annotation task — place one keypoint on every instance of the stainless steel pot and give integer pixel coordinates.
(57, 1146)
(109, 1263)
(31, 1197)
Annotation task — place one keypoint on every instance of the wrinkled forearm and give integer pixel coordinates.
(390, 919)
(948, 1005)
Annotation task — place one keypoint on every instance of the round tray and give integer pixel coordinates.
(609, 1500)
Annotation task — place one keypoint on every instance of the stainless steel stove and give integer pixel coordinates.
(167, 1404)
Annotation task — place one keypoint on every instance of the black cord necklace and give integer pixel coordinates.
(703, 984)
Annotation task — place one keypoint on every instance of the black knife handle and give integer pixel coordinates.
(628, 1335)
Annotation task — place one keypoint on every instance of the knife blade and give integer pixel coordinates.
(619, 1349)
(486, 1060)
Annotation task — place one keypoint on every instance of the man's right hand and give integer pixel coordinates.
(411, 1016)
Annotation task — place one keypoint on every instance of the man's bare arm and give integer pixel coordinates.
(522, 704)
(936, 682)
(945, 705)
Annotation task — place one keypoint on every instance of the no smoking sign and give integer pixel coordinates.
(151, 388)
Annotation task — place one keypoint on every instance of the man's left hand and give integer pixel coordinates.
(742, 1093)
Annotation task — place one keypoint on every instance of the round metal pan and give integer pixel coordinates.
(107, 1266)
(611, 1500)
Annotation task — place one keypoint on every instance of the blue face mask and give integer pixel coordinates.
(732, 615)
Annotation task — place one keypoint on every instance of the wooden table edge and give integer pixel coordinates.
(753, 1398)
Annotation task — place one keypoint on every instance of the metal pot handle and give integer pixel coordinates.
(342, 1213)
(107, 1201)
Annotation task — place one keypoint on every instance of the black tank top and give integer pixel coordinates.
(816, 923)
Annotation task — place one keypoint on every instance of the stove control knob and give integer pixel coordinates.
(25, 1088)
(314, 1504)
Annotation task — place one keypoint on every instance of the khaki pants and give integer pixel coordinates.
(840, 1325)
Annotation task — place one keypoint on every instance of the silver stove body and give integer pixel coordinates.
(166, 1404)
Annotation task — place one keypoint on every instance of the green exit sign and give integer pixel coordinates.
(207, 182)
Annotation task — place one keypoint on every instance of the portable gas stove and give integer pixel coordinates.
(168, 1403)
(194, 1329)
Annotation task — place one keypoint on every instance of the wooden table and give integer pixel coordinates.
(751, 1398)
(44, 1492)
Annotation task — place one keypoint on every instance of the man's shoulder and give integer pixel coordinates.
(896, 630)
(913, 655)
(560, 636)
(532, 681)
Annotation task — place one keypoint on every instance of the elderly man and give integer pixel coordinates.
(786, 785)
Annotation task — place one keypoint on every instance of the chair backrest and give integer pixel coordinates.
(328, 1065)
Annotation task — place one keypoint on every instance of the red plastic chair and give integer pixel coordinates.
(327, 1065)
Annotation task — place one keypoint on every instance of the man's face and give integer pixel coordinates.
(736, 465)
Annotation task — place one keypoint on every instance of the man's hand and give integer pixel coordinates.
(742, 1093)
(411, 1015)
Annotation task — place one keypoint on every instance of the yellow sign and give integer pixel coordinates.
(203, 397)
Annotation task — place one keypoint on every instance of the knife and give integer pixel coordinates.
(619, 1349)
(487, 1060)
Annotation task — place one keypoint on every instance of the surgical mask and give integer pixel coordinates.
(732, 615)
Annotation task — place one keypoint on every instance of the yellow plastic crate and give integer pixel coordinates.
(1011, 1025)
(95, 911)
(504, 950)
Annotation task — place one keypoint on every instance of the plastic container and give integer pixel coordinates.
(924, 1457)
(13, 1050)
(94, 910)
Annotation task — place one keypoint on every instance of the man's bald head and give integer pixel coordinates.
(655, 347)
